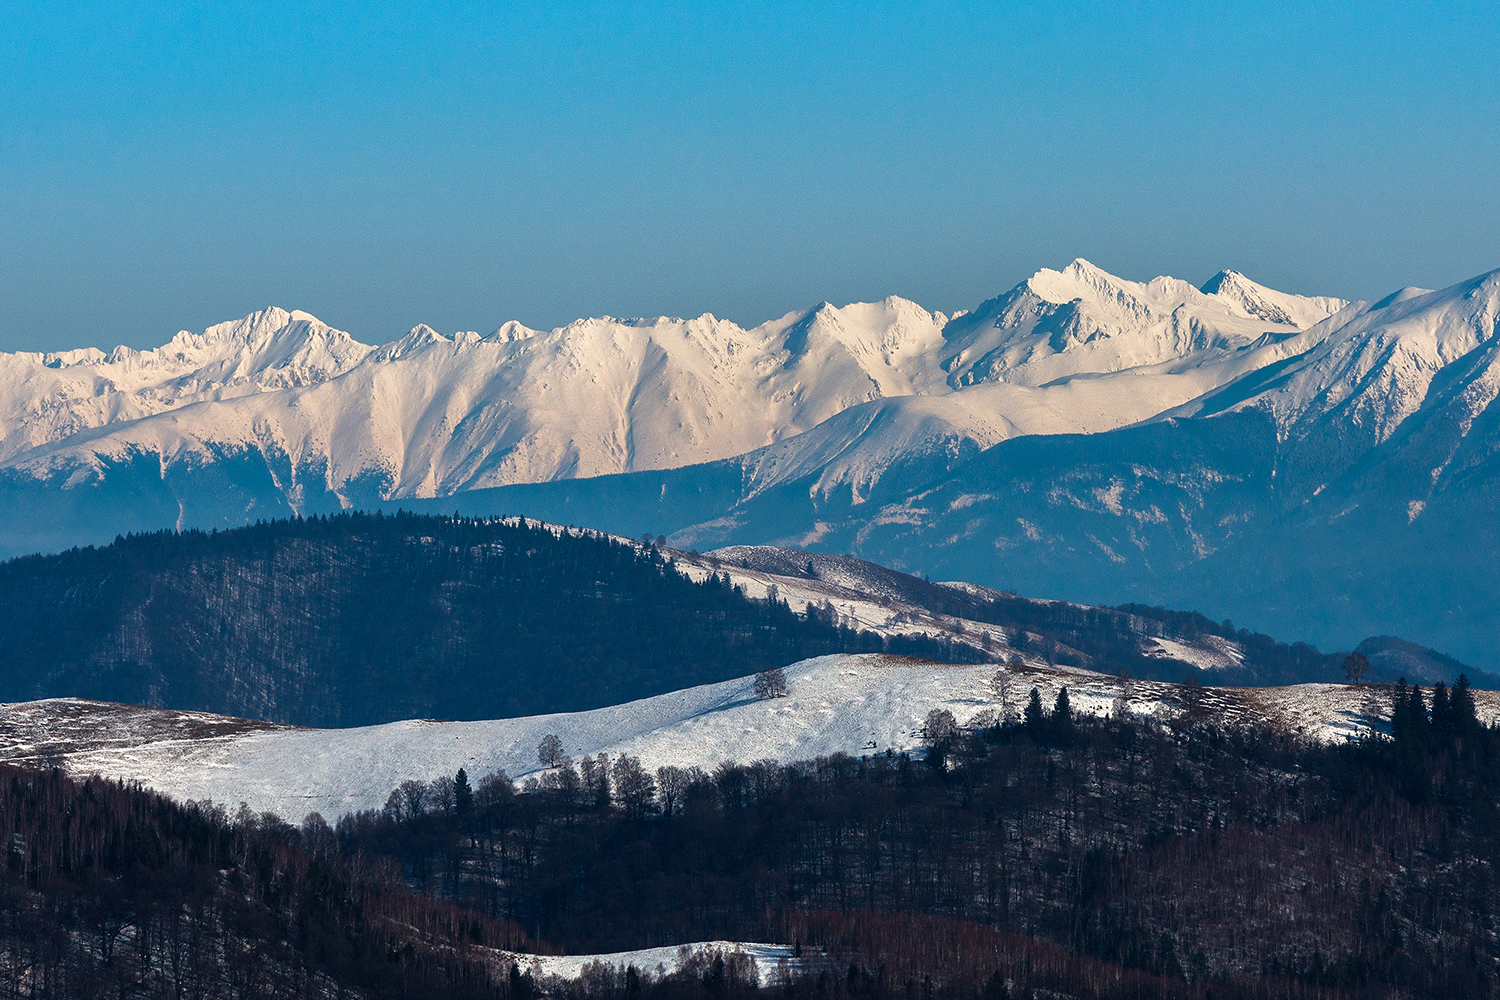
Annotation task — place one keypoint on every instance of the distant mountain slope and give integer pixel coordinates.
(277, 414)
(1342, 485)
(1308, 466)
(46, 398)
(357, 620)
(1081, 319)
(353, 620)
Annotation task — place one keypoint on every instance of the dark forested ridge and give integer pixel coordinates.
(355, 619)
(111, 891)
(1054, 856)
(1195, 853)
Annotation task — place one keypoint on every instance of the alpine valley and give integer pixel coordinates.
(1304, 465)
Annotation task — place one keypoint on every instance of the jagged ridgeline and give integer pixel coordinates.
(358, 619)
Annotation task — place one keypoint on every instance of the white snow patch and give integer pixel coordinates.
(857, 705)
(655, 961)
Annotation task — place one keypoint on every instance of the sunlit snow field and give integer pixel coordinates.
(855, 704)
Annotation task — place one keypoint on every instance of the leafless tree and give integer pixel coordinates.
(549, 752)
(440, 795)
(494, 789)
(770, 683)
(594, 772)
(1001, 683)
(940, 727)
(1191, 695)
(673, 783)
(413, 798)
(634, 786)
(1126, 690)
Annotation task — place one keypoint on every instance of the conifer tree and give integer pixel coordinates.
(1461, 706)
(1035, 715)
(1442, 711)
(1062, 716)
(463, 795)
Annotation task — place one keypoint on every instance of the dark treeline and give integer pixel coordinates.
(113, 891)
(110, 891)
(1193, 852)
(1109, 640)
(358, 619)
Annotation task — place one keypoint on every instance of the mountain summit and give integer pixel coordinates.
(431, 415)
(1306, 462)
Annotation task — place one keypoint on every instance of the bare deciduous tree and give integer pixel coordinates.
(1001, 683)
(770, 683)
(594, 773)
(1192, 696)
(549, 752)
(413, 798)
(1123, 693)
(441, 797)
(940, 727)
(634, 786)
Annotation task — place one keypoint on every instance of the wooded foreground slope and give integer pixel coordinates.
(1200, 852)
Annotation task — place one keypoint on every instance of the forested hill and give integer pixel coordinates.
(359, 619)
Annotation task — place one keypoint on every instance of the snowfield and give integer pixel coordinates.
(657, 962)
(853, 704)
(431, 414)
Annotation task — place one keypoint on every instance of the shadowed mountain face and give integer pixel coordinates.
(279, 414)
(356, 620)
(1187, 513)
(1305, 466)
(1345, 490)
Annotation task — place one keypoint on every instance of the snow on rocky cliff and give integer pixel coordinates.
(1082, 319)
(430, 414)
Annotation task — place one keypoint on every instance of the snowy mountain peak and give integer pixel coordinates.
(881, 335)
(1351, 382)
(1084, 320)
(1078, 281)
(1260, 302)
(510, 332)
(1076, 350)
(416, 339)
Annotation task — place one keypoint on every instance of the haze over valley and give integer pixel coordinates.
(1225, 447)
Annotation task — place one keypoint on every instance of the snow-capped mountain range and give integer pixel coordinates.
(430, 415)
(1320, 467)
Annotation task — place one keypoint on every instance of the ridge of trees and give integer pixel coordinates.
(1101, 858)
(356, 619)
(111, 890)
(1206, 856)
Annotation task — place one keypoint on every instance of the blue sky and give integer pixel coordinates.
(169, 167)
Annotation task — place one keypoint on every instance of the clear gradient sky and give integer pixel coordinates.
(167, 167)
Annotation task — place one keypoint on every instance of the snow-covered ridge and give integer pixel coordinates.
(1373, 364)
(432, 414)
(657, 962)
(1081, 319)
(852, 704)
(46, 398)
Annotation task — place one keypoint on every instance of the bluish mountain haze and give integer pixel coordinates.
(1306, 466)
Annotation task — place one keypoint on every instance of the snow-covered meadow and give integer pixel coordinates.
(854, 704)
